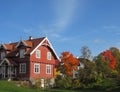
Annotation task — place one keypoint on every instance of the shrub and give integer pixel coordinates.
(76, 84)
(37, 83)
(63, 82)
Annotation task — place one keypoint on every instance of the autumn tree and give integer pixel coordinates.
(68, 63)
(108, 57)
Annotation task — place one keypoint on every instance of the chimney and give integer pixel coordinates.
(30, 37)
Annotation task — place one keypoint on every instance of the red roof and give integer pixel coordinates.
(30, 43)
(8, 46)
(34, 42)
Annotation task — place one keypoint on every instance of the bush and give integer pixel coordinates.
(106, 84)
(37, 83)
(63, 82)
(76, 84)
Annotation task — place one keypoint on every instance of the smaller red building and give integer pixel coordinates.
(28, 59)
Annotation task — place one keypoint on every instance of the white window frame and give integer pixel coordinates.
(2, 55)
(22, 53)
(48, 55)
(38, 53)
(36, 68)
(48, 69)
(22, 68)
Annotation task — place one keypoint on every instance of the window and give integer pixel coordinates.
(36, 68)
(22, 52)
(37, 53)
(48, 69)
(22, 68)
(48, 55)
(2, 55)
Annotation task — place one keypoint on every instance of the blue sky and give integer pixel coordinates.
(68, 24)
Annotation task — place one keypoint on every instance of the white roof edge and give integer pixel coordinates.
(20, 42)
(37, 46)
(53, 49)
(50, 46)
(4, 46)
(5, 59)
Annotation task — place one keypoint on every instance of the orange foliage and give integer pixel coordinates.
(70, 63)
(109, 57)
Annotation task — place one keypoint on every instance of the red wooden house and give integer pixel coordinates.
(28, 59)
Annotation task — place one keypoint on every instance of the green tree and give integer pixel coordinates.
(87, 75)
(116, 53)
(102, 68)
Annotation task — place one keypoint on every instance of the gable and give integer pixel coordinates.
(2, 46)
(8, 61)
(5, 60)
(21, 43)
(46, 42)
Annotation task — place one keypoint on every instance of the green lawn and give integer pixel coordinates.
(6, 86)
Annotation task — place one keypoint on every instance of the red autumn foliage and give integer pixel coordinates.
(108, 57)
(70, 63)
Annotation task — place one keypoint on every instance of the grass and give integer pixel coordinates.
(6, 86)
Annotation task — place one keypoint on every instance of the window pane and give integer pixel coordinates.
(36, 68)
(37, 53)
(2, 55)
(22, 52)
(48, 55)
(48, 69)
(22, 68)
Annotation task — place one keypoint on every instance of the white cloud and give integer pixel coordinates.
(110, 27)
(117, 44)
(98, 41)
(55, 35)
(64, 14)
(27, 30)
(64, 11)
(118, 33)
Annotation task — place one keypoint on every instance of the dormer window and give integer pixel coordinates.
(48, 55)
(37, 53)
(2, 55)
(22, 53)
